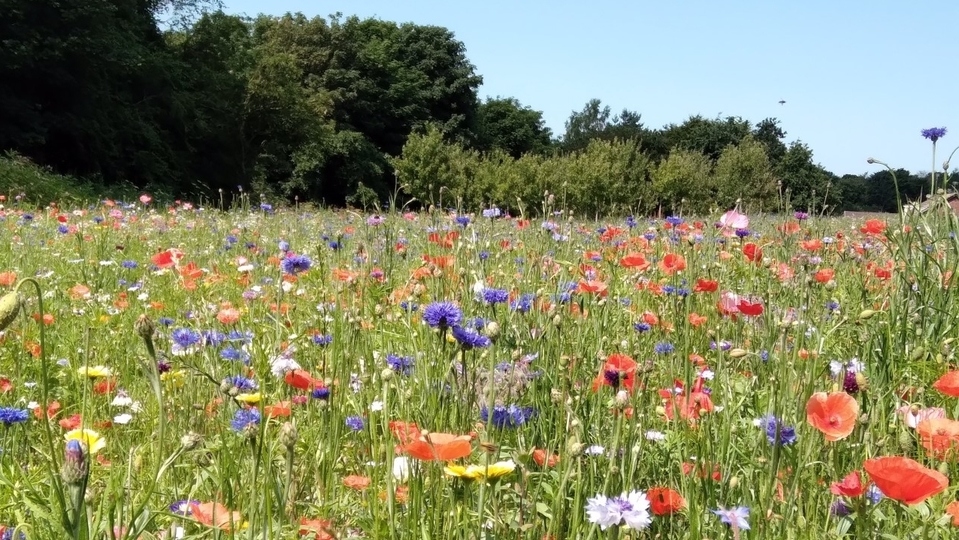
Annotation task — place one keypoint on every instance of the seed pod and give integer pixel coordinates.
(9, 309)
(866, 314)
(737, 353)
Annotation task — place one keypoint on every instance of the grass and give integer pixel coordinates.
(196, 344)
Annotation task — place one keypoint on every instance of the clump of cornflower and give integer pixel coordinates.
(934, 134)
(494, 296)
(375, 220)
(507, 416)
(322, 340)
(129, 265)
(469, 338)
(463, 221)
(777, 433)
(674, 220)
(642, 327)
(523, 304)
(12, 415)
(239, 384)
(742, 233)
(491, 213)
(245, 420)
(735, 517)
(400, 364)
(408, 306)
(322, 393)
(294, 264)
(629, 510)
(442, 315)
(801, 216)
(874, 494)
(355, 423)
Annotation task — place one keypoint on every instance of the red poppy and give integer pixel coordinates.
(618, 370)
(301, 380)
(405, 432)
(664, 501)
(833, 414)
(953, 510)
(706, 285)
(592, 286)
(948, 384)
(753, 252)
(850, 486)
(939, 436)
(904, 479)
(750, 308)
(811, 245)
(71, 422)
(323, 528)
(689, 405)
(825, 275)
(873, 226)
(357, 482)
(168, 258)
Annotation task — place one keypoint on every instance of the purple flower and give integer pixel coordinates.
(245, 419)
(13, 415)
(777, 433)
(294, 264)
(442, 315)
(801, 216)
(400, 364)
(183, 507)
(470, 338)
(507, 416)
(849, 383)
(664, 347)
(494, 296)
(355, 423)
(734, 517)
(934, 134)
(629, 509)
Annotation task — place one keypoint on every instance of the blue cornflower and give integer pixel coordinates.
(786, 434)
(12, 415)
(442, 315)
(934, 134)
(322, 340)
(483, 255)
(734, 517)
(642, 327)
(165, 321)
(400, 364)
(266, 207)
(463, 220)
(664, 347)
(213, 338)
(284, 246)
(9, 533)
(355, 423)
(469, 338)
(832, 305)
(321, 393)
(408, 306)
(874, 494)
(840, 509)
(630, 221)
(507, 416)
(230, 240)
(245, 418)
(63, 229)
(494, 296)
(674, 220)
(649, 235)
(183, 507)
(334, 245)
(493, 212)
(129, 265)
(236, 335)
(742, 233)
(294, 264)
(185, 338)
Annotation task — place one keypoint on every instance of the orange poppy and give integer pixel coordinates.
(904, 479)
(439, 447)
(280, 410)
(323, 529)
(753, 252)
(850, 486)
(811, 245)
(213, 514)
(948, 384)
(406, 432)
(833, 414)
(228, 315)
(543, 459)
(672, 263)
(706, 285)
(618, 369)
(634, 260)
(825, 275)
(939, 436)
(696, 319)
(356, 482)
(8, 278)
(873, 226)
(953, 510)
(592, 286)
(168, 258)
(665, 501)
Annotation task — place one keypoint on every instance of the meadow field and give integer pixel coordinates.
(177, 371)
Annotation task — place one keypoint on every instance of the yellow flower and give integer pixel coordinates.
(248, 398)
(90, 438)
(471, 472)
(95, 372)
(174, 378)
(476, 472)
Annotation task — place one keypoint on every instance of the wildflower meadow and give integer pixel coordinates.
(263, 372)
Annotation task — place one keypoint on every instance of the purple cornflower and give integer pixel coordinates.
(491, 213)
(674, 220)
(375, 220)
(322, 393)
(12, 415)
(849, 383)
(934, 134)
(507, 416)
(294, 264)
(322, 340)
(442, 315)
(642, 327)
(664, 347)
(742, 233)
(523, 304)
(801, 216)
(463, 220)
(245, 419)
(355, 423)
(839, 509)
(734, 517)
(183, 507)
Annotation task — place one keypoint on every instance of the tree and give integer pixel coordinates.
(708, 136)
(743, 173)
(505, 124)
(683, 182)
(806, 185)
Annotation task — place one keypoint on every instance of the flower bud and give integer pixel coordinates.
(621, 399)
(737, 353)
(75, 465)
(866, 314)
(144, 327)
(288, 435)
(191, 440)
(9, 309)
(733, 482)
(387, 374)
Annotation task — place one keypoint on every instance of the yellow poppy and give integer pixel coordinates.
(95, 372)
(90, 438)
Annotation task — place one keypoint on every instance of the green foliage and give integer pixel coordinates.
(806, 185)
(39, 185)
(743, 173)
(684, 182)
(505, 124)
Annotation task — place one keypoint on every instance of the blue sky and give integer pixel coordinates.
(860, 79)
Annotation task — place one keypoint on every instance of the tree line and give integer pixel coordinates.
(180, 99)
